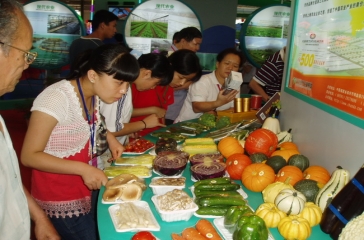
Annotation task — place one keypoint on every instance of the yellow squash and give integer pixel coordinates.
(270, 214)
(272, 190)
(294, 228)
(312, 213)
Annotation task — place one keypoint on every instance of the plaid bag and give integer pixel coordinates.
(101, 142)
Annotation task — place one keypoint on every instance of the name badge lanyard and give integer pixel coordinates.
(91, 123)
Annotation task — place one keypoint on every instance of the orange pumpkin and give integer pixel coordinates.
(292, 172)
(235, 164)
(317, 173)
(229, 146)
(257, 176)
(288, 145)
(261, 141)
(286, 154)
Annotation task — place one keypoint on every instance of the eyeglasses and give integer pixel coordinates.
(29, 57)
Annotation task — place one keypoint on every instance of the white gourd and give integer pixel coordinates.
(272, 124)
(339, 178)
(284, 136)
(290, 201)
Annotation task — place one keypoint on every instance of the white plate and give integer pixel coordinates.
(174, 176)
(219, 224)
(137, 153)
(113, 214)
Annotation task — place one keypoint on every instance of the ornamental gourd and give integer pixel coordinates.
(270, 214)
(290, 201)
(261, 140)
(284, 136)
(340, 177)
(229, 146)
(257, 176)
(294, 227)
(235, 164)
(272, 124)
(312, 213)
(292, 172)
(317, 173)
(271, 191)
(299, 161)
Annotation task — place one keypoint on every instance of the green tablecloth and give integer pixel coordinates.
(108, 232)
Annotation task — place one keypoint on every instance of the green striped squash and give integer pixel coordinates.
(290, 201)
(299, 161)
(276, 162)
(339, 178)
(258, 157)
(309, 188)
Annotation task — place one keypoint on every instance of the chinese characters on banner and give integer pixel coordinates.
(327, 53)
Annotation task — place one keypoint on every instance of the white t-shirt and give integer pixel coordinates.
(14, 211)
(118, 113)
(204, 90)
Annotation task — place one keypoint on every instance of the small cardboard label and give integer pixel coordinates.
(263, 112)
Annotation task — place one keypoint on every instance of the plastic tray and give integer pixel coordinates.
(113, 212)
(162, 189)
(219, 224)
(173, 216)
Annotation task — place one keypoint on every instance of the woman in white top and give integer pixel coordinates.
(61, 138)
(206, 95)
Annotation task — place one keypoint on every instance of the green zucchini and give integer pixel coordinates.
(219, 187)
(225, 201)
(214, 211)
(220, 195)
(221, 180)
(210, 192)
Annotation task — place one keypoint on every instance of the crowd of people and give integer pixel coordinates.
(106, 82)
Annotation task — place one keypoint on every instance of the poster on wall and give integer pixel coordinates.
(55, 26)
(264, 33)
(151, 25)
(326, 57)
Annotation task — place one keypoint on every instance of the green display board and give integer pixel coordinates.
(55, 26)
(326, 57)
(264, 33)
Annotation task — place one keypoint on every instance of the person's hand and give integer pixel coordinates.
(224, 99)
(116, 148)
(153, 121)
(93, 177)
(160, 112)
(44, 229)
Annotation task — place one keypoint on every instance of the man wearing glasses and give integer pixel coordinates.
(17, 206)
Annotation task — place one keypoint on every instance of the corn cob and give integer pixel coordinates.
(139, 171)
(194, 149)
(144, 159)
(199, 141)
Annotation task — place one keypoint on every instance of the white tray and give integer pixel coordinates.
(174, 176)
(219, 224)
(114, 208)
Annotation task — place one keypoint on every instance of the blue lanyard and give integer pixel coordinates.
(92, 129)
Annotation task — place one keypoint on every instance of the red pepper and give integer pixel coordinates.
(143, 235)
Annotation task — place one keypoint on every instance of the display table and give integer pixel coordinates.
(108, 232)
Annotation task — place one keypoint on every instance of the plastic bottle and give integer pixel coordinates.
(347, 204)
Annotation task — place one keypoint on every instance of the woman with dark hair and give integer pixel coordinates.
(206, 95)
(61, 138)
(155, 70)
(186, 66)
(188, 38)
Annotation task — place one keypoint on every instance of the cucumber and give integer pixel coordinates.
(227, 201)
(208, 192)
(212, 181)
(222, 195)
(219, 187)
(214, 211)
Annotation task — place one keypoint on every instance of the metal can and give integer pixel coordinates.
(246, 104)
(238, 105)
